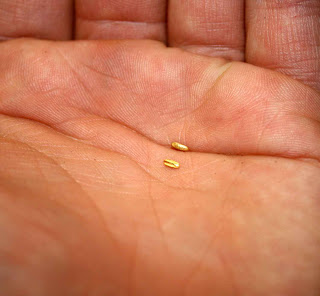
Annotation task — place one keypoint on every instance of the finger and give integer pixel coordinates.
(214, 28)
(127, 19)
(51, 19)
(285, 36)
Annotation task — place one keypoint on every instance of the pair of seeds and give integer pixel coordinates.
(171, 163)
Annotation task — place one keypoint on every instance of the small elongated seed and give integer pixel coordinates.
(171, 164)
(179, 146)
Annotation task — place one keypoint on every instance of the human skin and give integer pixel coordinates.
(87, 206)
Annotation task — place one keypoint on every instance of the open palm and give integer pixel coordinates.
(87, 206)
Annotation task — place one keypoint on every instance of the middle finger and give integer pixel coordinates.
(125, 19)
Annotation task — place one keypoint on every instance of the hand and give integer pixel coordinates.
(87, 206)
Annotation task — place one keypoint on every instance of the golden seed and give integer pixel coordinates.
(171, 164)
(179, 146)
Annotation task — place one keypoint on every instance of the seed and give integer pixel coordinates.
(179, 146)
(171, 164)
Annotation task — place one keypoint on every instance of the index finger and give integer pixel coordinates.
(50, 19)
(285, 36)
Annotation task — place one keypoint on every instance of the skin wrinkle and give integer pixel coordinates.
(121, 122)
(295, 4)
(228, 65)
(266, 123)
(145, 170)
(224, 215)
(55, 201)
(89, 198)
(165, 112)
(167, 185)
(314, 162)
(88, 140)
(294, 71)
(85, 141)
(201, 258)
(14, 126)
(109, 118)
(115, 21)
(220, 47)
(75, 74)
(105, 75)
